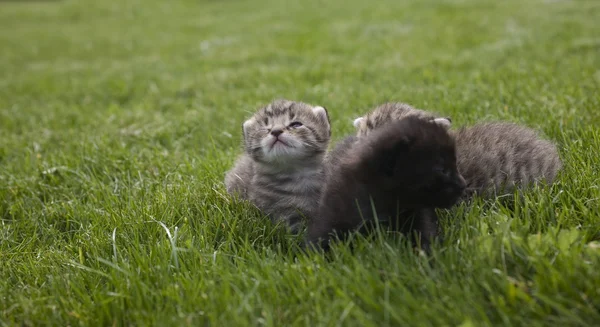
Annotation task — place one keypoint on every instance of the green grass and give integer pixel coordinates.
(118, 120)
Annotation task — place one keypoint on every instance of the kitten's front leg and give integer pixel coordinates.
(426, 226)
(238, 178)
(318, 235)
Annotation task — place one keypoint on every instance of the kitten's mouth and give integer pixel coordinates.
(278, 141)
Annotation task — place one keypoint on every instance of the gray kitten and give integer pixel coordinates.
(281, 169)
(493, 158)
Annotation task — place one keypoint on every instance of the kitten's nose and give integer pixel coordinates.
(276, 131)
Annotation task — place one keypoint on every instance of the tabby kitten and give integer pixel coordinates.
(402, 170)
(281, 169)
(494, 158)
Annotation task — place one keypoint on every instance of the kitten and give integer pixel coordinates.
(494, 158)
(402, 170)
(281, 169)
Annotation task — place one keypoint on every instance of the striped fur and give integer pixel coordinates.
(494, 158)
(283, 179)
(393, 111)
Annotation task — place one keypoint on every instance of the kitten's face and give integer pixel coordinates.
(286, 132)
(415, 161)
(393, 111)
(430, 172)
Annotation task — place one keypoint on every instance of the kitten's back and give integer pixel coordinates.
(497, 157)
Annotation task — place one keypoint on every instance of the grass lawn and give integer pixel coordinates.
(118, 120)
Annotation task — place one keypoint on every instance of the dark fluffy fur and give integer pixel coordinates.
(403, 169)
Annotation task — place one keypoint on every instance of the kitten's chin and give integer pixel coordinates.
(281, 150)
(278, 145)
(447, 200)
(432, 198)
(282, 154)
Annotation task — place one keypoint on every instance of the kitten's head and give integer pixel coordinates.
(394, 111)
(413, 160)
(286, 132)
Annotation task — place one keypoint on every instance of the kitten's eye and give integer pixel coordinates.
(295, 124)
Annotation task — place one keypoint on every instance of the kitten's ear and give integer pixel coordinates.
(320, 112)
(445, 122)
(246, 126)
(357, 121)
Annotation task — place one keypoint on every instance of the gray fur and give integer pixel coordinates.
(283, 181)
(342, 147)
(494, 158)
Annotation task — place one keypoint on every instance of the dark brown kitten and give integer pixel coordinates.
(403, 169)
